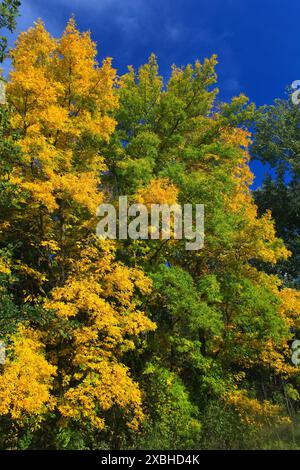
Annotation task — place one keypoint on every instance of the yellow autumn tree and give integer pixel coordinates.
(60, 102)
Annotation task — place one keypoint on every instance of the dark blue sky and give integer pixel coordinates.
(257, 41)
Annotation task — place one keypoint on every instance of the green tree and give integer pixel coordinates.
(277, 143)
(9, 10)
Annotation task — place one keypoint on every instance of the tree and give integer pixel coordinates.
(85, 305)
(134, 343)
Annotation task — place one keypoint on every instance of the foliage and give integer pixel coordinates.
(9, 10)
(60, 102)
(134, 343)
(277, 144)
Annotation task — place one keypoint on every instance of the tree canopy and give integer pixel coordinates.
(135, 343)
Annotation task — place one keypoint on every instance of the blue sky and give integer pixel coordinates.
(257, 41)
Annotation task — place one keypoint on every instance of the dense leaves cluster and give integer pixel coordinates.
(134, 343)
(9, 10)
